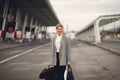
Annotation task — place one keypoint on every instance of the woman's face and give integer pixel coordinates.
(59, 30)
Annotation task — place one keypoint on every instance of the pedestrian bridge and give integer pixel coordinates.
(105, 27)
(103, 31)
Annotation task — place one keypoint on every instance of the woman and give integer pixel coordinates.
(60, 52)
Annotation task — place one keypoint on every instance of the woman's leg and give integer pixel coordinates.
(58, 59)
(59, 70)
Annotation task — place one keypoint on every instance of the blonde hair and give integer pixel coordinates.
(59, 25)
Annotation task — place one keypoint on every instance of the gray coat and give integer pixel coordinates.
(65, 52)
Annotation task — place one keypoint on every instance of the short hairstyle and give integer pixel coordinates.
(59, 25)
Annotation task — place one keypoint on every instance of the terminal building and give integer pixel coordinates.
(25, 19)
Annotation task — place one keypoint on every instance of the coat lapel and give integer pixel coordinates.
(54, 41)
(61, 42)
(62, 39)
(55, 38)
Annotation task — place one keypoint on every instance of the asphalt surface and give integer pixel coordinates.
(88, 62)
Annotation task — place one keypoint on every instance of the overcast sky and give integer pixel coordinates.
(79, 13)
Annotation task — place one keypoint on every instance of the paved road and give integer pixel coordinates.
(88, 63)
(93, 63)
(19, 48)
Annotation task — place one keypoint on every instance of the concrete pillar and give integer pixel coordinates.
(10, 16)
(6, 5)
(25, 23)
(46, 31)
(40, 26)
(46, 28)
(17, 15)
(39, 35)
(5, 8)
(5, 13)
(97, 32)
(36, 22)
(17, 18)
(31, 22)
(3, 26)
(36, 26)
(42, 31)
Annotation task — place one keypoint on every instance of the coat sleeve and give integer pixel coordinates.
(69, 49)
(51, 52)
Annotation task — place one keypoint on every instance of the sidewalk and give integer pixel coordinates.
(10, 45)
(111, 46)
(4, 46)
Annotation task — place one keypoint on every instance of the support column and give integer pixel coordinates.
(17, 19)
(31, 22)
(5, 13)
(36, 28)
(45, 32)
(25, 23)
(5, 8)
(42, 29)
(4, 19)
(36, 22)
(39, 35)
(31, 25)
(45, 29)
(97, 32)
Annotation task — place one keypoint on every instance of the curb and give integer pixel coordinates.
(103, 47)
(12, 46)
(108, 49)
(17, 45)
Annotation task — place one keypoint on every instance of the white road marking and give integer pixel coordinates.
(22, 53)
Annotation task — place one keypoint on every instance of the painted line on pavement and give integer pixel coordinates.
(18, 55)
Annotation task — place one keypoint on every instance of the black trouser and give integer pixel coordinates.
(58, 59)
(59, 70)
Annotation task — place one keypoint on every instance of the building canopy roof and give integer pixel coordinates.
(39, 9)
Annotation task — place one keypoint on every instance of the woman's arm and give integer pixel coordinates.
(68, 51)
(51, 52)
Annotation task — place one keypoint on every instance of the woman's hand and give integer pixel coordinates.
(69, 63)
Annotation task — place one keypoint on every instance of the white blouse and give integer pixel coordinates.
(57, 42)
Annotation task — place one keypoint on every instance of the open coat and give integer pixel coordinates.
(65, 52)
